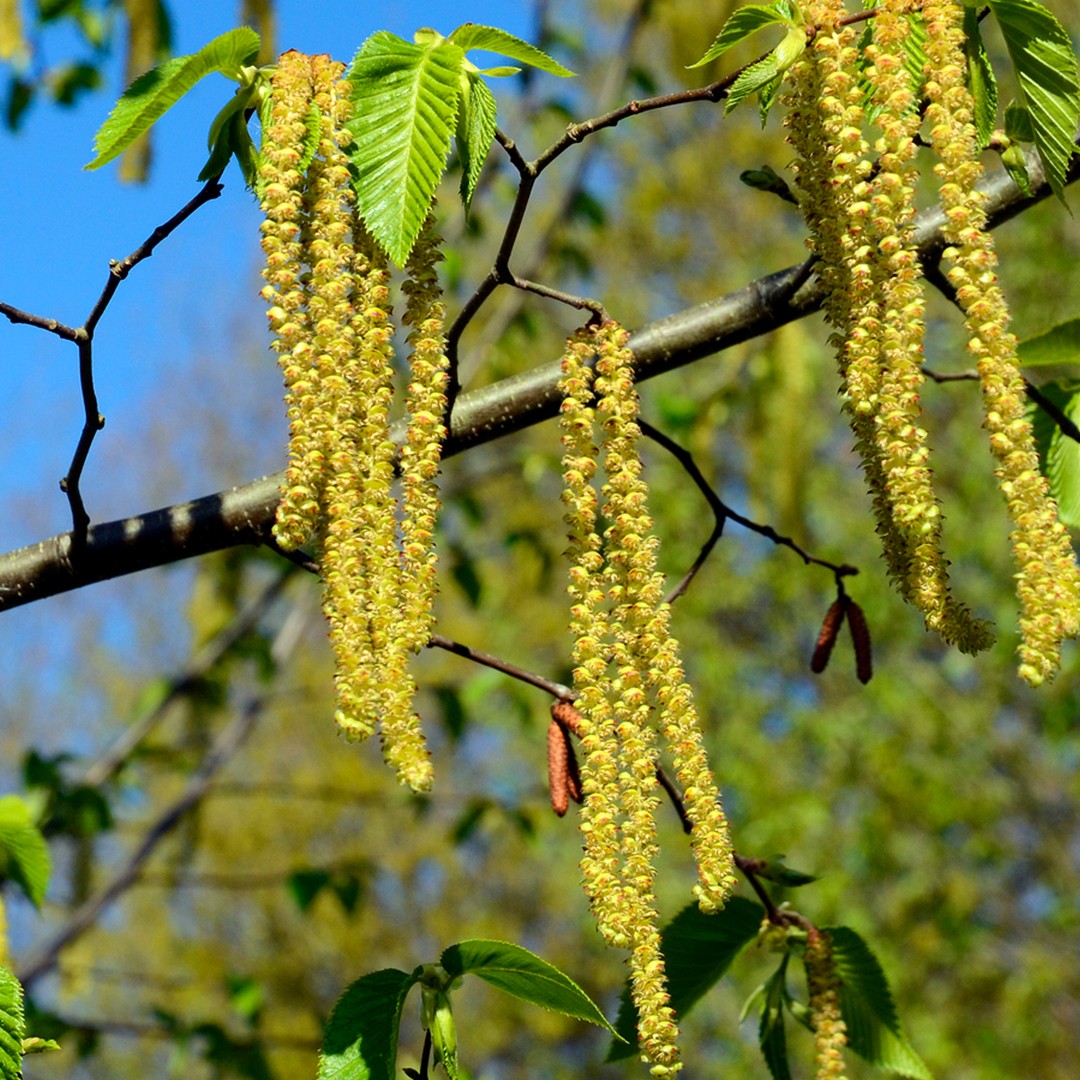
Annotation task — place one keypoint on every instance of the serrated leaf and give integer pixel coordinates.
(765, 71)
(1060, 455)
(767, 96)
(771, 1035)
(24, 855)
(12, 1026)
(491, 39)
(405, 99)
(1018, 123)
(914, 48)
(1059, 345)
(476, 130)
(362, 1033)
(697, 950)
(873, 1028)
(981, 79)
(521, 973)
(1046, 69)
(742, 23)
(153, 94)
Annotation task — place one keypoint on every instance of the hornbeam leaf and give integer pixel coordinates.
(981, 78)
(151, 95)
(24, 855)
(362, 1033)
(743, 22)
(491, 39)
(761, 76)
(1046, 69)
(523, 974)
(405, 105)
(866, 1003)
(475, 132)
(12, 1026)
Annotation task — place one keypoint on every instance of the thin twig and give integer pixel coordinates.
(556, 689)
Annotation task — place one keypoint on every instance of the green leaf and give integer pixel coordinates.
(362, 1033)
(1059, 454)
(775, 869)
(12, 1026)
(1018, 123)
(491, 39)
(697, 950)
(873, 1028)
(742, 23)
(153, 94)
(475, 132)
(24, 855)
(914, 48)
(764, 72)
(771, 1036)
(1046, 69)
(981, 79)
(1059, 345)
(517, 971)
(767, 96)
(405, 99)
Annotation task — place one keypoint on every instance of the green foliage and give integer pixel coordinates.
(1045, 64)
(409, 99)
(518, 972)
(764, 75)
(698, 949)
(153, 94)
(24, 855)
(772, 1037)
(866, 1002)
(981, 79)
(12, 1026)
(745, 21)
(362, 1032)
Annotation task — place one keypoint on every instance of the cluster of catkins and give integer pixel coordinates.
(327, 287)
(854, 113)
(630, 682)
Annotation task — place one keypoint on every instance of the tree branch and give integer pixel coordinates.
(244, 515)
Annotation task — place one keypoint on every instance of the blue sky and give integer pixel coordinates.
(197, 296)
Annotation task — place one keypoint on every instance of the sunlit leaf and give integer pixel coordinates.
(1059, 345)
(405, 104)
(12, 1026)
(475, 132)
(771, 1035)
(764, 72)
(742, 23)
(24, 855)
(362, 1033)
(153, 94)
(524, 975)
(981, 78)
(1060, 454)
(1046, 69)
(491, 39)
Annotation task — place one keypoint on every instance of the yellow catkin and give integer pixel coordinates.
(630, 684)
(1048, 580)
(830, 1033)
(860, 212)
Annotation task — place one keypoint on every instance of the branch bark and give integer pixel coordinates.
(245, 514)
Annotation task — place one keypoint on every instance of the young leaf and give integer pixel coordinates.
(491, 39)
(1046, 69)
(762, 74)
(475, 132)
(873, 1028)
(519, 972)
(771, 1036)
(362, 1033)
(697, 950)
(743, 22)
(153, 94)
(12, 1026)
(24, 856)
(405, 99)
(981, 78)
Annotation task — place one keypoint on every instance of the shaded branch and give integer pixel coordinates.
(244, 515)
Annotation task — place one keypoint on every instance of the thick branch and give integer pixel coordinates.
(245, 514)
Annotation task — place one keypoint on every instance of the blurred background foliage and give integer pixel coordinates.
(939, 804)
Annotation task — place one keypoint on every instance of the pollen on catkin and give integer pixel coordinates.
(328, 294)
(630, 683)
(1048, 579)
(830, 1032)
(860, 208)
